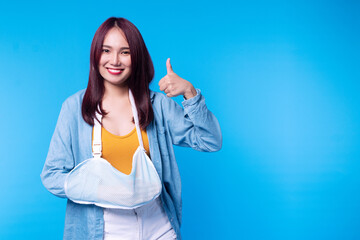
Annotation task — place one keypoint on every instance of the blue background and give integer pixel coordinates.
(282, 77)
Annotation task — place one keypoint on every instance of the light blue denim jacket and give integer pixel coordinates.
(192, 126)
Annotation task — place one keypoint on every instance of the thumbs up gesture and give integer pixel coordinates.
(173, 85)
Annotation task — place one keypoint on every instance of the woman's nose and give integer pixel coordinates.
(115, 60)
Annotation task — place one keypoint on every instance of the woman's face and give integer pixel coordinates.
(115, 60)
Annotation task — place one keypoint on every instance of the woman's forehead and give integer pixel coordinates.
(115, 37)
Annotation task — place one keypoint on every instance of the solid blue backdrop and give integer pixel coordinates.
(282, 77)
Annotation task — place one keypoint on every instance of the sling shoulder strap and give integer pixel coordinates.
(97, 144)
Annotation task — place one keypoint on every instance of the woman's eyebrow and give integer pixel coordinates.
(107, 46)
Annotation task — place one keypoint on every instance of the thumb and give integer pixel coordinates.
(168, 66)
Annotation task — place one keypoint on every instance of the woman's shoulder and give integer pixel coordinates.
(159, 101)
(72, 104)
(158, 98)
(76, 97)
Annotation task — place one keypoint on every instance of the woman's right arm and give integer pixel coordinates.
(60, 160)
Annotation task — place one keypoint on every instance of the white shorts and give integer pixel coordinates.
(148, 222)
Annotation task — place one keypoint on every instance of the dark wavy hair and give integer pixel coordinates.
(142, 73)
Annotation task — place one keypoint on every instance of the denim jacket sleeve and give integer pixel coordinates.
(194, 125)
(59, 160)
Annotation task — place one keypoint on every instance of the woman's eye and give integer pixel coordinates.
(106, 50)
(126, 52)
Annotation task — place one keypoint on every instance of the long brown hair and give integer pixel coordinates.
(142, 73)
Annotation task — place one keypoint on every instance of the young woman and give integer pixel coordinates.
(118, 103)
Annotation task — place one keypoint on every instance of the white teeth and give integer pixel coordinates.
(114, 70)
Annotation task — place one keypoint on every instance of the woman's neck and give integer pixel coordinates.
(115, 93)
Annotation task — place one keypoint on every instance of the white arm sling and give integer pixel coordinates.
(96, 181)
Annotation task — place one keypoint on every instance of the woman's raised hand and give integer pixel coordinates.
(173, 85)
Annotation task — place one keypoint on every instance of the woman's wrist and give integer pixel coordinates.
(190, 92)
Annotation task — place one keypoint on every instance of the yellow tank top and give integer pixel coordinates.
(119, 150)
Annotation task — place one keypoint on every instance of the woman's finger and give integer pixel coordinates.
(168, 66)
(162, 84)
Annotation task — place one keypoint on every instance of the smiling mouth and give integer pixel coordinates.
(115, 71)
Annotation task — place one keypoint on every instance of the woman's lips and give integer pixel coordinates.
(115, 71)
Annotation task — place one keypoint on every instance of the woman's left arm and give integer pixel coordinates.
(194, 125)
